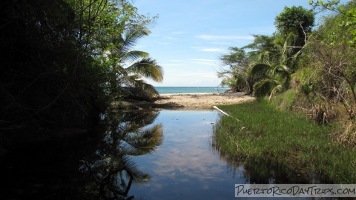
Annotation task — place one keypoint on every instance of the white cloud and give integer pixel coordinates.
(175, 60)
(173, 65)
(205, 62)
(212, 49)
(221, 43)
(199, 75)
(225, 37)
(180, 77)
(209, 49)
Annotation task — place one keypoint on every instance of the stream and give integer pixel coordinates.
(141, 155)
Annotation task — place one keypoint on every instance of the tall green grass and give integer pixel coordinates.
(257, 133)
(285, 100)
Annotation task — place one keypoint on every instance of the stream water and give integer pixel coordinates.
(185, 166)
(145, 155)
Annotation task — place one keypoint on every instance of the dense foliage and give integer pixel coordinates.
(269, 61)
(64, 61)
(295, 20)
(318, 64)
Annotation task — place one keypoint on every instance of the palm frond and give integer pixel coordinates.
(132, 170)
(129, 38)
(146, 88)
(135, 33)
(225, 73)
(119, 70)
(145, 141)
(276, 89)
(148, 68)
(134, 55)
(130, 80)
(136, 120)
(259, 68)
(138, 89)
(265, 57)
(283, 70)
(265, 86)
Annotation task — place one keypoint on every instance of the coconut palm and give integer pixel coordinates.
(235, 76)
(234, 79)
(129, 67)
(272, 75)
(262, 49)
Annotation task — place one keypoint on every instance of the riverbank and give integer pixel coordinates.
(201, 101)
(284, 142)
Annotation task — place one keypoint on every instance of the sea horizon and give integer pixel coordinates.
(190, 89)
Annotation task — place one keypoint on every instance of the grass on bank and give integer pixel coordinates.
(283, 139)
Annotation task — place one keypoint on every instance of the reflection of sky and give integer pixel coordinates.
(184, 166)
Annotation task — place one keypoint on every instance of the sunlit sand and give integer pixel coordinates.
(199, 101)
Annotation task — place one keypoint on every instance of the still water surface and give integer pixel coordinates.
(141, 155)
(185, 166)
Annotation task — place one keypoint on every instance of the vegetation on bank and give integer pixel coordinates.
(261, 137)
(64, 61)
(304, 121)
(315, 66)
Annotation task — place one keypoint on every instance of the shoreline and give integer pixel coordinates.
(212, 93)
(185, 101)
(198, 101)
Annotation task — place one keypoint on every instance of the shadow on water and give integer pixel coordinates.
(91, 167)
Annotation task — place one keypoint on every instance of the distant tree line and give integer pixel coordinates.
(64, 61)
(319, 64)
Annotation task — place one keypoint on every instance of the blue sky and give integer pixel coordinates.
(190, 36)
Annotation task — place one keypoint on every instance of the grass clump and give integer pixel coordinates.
(263, 134)
(285, 100)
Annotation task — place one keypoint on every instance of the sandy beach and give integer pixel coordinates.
(199, 101)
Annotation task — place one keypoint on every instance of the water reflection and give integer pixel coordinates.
(89, 166)
(184, 166)
(111, 166)
(261, 170)
(180, 165)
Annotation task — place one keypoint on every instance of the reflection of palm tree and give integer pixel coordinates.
(111, 167)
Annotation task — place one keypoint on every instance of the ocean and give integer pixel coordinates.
(190, 90)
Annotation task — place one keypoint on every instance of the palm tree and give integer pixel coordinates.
(235, 76)
(275, 62)
(128, 67)
(234, 79)
(262, 49)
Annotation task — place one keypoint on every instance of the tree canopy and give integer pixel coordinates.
(297, 21)
(64, 61)
(319, 64)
